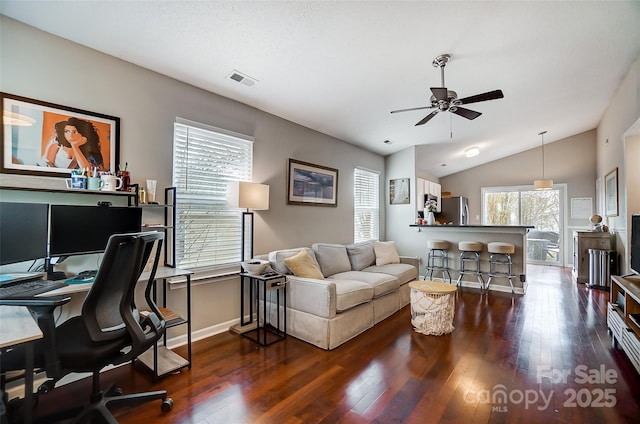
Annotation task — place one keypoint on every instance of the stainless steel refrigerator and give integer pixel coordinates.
(454, 210)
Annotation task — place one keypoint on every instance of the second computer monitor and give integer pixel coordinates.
(77, 230)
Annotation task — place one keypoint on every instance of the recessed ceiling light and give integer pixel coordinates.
(471, 152)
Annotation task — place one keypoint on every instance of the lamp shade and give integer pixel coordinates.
(543, 184)
(246, 195)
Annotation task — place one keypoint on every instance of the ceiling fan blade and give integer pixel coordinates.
(440, 93)
(489, 95)
(428, 117)
(411, 108)
(465, 113)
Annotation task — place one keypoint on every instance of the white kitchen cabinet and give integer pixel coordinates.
(426, 187)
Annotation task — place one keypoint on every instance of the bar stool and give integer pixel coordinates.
(437, 259)
(469, 254)
(500, 261)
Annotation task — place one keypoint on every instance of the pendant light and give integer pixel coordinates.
(543, 184)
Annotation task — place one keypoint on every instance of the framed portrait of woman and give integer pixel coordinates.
(41, 138)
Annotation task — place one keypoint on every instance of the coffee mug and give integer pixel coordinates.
(94, 183)
(76, 181)
(110, 182)
(126, 180)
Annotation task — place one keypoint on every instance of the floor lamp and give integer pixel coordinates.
(246, 195)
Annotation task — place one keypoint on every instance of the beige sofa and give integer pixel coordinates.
(354, 295)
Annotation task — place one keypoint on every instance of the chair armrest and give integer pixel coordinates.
(314, 296)
(49, 301)
(41, 309)
(411, 260)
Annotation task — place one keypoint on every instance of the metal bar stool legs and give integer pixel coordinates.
(500, 262)
(470, 255)
(438, 259)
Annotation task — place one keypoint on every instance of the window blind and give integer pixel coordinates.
(205, 160)
(366, 186)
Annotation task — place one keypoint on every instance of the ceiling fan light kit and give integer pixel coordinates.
(443, 99)
(543, 184)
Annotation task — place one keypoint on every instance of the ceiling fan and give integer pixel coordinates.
(447, 100)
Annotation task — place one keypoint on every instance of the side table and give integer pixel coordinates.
(263, 331)
(432, 307)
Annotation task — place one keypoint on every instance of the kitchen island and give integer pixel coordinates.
(515, 234)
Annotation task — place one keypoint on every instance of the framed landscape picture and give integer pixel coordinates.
(40, 138)
(310, 184)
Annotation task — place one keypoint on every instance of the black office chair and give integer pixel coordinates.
(109, 331)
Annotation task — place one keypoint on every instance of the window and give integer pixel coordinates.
(205, 160)
(366, 189)
(525, 206)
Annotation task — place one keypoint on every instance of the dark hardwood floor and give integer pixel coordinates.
(542, 357)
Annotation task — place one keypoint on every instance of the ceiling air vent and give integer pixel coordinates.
(242, 78)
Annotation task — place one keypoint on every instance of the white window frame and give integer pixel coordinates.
(205, 160)
(366, 202)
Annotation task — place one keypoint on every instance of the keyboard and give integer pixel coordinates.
(29, 288)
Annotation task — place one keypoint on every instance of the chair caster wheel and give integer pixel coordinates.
(167, 405)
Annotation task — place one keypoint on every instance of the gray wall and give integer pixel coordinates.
(41, 66)
(571, 160)
(621, 115)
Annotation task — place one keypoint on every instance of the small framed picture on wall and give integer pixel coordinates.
(399, 191)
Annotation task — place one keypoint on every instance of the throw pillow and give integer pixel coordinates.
(303, 265)
(386, 252)
(277, 258)
(332, 258)
(361, 255)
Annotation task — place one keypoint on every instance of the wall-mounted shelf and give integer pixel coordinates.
(132, 195)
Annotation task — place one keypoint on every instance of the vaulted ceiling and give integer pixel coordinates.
(340, 67)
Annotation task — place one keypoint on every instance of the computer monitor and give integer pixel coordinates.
(24, 231)
(78, 230)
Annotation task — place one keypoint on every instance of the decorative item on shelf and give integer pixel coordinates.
(543, 184)
(125, 175)
(142, 196)
(246, 195)
(110, 182)
(596, 223)
(151, 191)
(430, 206)
(254, 266)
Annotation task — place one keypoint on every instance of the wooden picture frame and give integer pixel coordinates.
(41, 138)
(399, 191)
(611, 200)
(310, 184)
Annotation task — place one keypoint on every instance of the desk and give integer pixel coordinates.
(17, 327)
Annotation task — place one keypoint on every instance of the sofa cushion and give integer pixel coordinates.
(381, 283)
(361, 255)
(277, 258)
(332, 258)
(403, 272)
(303, 265)
(386, 253)
(350, 293)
